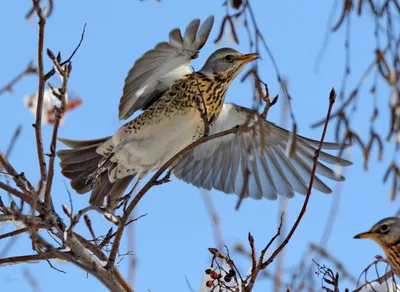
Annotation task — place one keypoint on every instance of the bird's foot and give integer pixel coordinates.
(165, 179)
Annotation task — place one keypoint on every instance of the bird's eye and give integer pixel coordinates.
(384, 228)
(229, 58)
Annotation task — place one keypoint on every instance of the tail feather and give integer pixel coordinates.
(78, 155)
(103, 186)
(309, 146)
(82, 143)
(83, 182)
(79, 163)
(71, 174)
(79, 166)
(115, 190)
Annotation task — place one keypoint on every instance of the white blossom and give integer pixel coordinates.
(50, 105)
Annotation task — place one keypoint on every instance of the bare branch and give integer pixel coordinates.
(38, 124)
(59, 111)
(13, 233)
(31, 258)
(263, 264)
(30, 69)
(68, 60)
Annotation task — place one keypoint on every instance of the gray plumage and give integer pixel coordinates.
(80, 162)
(221, 163)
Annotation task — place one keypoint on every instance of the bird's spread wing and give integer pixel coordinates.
(158, 68)
(222, 163)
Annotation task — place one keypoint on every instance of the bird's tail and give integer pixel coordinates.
(80, 163)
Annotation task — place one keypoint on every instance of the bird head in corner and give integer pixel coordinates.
(386, 232)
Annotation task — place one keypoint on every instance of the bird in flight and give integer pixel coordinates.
(174, 99)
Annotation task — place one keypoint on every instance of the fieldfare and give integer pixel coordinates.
(387, 234)
(162, 84)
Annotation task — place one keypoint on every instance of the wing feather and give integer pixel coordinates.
(157, 69)
(235, 161)
(175, 38)
(190, 32)
(221, 163)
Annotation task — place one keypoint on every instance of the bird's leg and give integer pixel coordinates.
(100, 168)
(201, 107)
(200, 102)
(165, 179)
(124, 199)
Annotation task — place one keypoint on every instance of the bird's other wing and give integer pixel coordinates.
(158, 68)
(222, 163)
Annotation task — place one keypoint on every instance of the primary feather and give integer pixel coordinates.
(222, 163)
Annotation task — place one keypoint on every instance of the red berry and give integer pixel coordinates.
(213, 275)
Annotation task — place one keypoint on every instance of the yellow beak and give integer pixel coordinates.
(248, 58)
(365, 235)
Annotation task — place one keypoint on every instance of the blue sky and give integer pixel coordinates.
(171, 241)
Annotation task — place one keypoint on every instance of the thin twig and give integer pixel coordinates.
(380, 280)
(59, 111)
(49, 10)
(260, 36)
(19, 179)
(330, 222)
(89, 226)
(33, 283)
(13, 140)
(131, 246)
(332, 98)
(53, 71)
(38, 124)
(32, 220)
(16, 193)
(344, 273)
(13, 233)
(30, 69)
(31, 258)
(263, 265)
(214, 219)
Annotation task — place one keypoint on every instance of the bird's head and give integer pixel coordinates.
(225, 64)
(386, 232)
